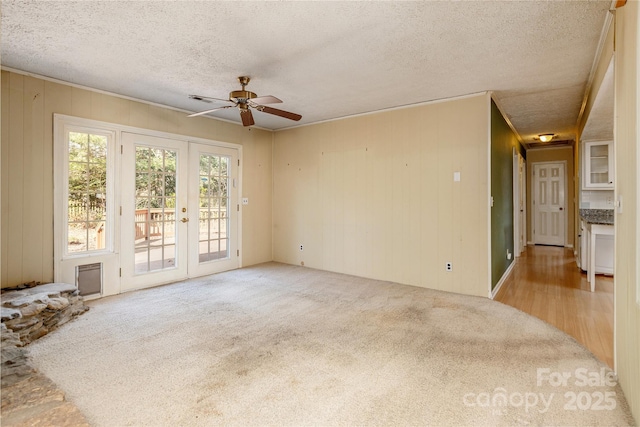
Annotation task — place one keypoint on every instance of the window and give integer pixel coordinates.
(214, 201)
(155, 217)
(87, 191)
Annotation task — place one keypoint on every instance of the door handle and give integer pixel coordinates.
(561, 209)
(184, 220)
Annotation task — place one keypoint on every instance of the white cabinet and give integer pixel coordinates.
(599, 251)
(598, 165)
(604, 252)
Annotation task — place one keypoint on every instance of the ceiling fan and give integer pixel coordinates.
(244, 100)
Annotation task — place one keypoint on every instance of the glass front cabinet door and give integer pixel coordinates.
(598, 165)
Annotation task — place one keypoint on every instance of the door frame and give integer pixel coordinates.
(519, 191)
(65, 272)
(534, 182)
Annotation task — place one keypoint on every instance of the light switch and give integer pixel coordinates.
(456, 177)
(619, 204)
(245, 200)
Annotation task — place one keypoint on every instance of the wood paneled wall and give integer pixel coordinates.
(374, 195)
(28, 105)
(627, 222)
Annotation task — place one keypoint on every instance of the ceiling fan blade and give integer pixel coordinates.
(208, 98)
(265, 100)
(201, 113)
(281, 113)
(247, 117)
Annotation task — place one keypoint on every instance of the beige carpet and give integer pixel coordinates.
(284, 345)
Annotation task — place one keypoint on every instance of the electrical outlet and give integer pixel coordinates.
(449, 266)
(300, 247)
(245, 200)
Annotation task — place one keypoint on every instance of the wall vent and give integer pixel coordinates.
(89, 279)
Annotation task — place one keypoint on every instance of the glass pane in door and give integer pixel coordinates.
(213, 224)
(155, 209)
(87, 192)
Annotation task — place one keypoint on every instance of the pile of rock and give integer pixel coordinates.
(14, 358)
(34, 312)
(29, 313)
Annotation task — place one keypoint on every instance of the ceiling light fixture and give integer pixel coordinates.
(546, 137)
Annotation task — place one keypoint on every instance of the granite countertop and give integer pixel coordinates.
(597, 216)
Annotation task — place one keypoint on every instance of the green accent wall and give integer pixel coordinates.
(503, 140)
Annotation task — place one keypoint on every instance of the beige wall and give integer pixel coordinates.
(28, 105)
(374, 195)
(627, 232)
(598, 76)
(602, 65)
(552, 155)
(601, 68)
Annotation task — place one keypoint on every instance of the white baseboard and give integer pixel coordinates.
(604, 270)
(566, 246)
(503, 279)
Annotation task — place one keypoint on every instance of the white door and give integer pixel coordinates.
(154, 195)
(179, 210)
(519, 191)
(549, 203)
(213, 209)
(522, 203)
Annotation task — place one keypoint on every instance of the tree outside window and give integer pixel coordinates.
(87, 192)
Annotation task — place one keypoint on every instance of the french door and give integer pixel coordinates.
(213, 209)
(179, 210)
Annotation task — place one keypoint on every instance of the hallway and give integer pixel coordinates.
(547, 284)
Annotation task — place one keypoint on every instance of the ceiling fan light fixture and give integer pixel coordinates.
(546, 137)
(244, 100)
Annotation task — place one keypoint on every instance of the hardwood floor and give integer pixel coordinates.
(547, 284)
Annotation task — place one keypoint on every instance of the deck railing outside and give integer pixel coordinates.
(149, 222)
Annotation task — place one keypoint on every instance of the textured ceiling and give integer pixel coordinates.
(323, 59)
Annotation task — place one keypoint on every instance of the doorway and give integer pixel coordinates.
(179, 210)
(549, 189)
(519, 203)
